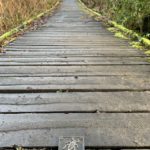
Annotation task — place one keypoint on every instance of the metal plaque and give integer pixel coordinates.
(71, 143)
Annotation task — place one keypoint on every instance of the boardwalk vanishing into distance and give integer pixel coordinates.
(72, 77)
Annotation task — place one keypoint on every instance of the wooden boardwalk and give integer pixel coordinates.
(72, 77)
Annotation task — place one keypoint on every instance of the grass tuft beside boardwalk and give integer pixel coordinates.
(7, 22)
(14, 12)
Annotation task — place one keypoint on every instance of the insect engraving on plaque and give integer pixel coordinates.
(71, 143)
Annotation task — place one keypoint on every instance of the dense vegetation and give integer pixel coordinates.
(134, 14)
(14, 12)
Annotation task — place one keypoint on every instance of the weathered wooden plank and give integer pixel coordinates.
(76, 102)
(70, 46)
(101, 83)
(136, 80)
(83, 70)
(62, 38)
(70, 40)
(98, 129)
(71, 33)
(76, 30)
(84, 48)
(70, 75)
(70, 88)
(58, 107)
(62, 54)
(52, 24)
(69, 49)
(69, 64)
(66, 44)
(125, 120)
(64, 27)
(66, 54)
(98, 137)
(93, 97)
(71, 52)
(70, 25)
(75, 75)
(55, 24)
(74, 61)
(72, 29)
(77, 40)
(77, 59)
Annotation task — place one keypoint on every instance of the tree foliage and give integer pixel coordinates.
(134, 14)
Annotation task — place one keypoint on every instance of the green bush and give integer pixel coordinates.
(134, 14)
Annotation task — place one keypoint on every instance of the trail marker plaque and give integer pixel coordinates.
(71, 143)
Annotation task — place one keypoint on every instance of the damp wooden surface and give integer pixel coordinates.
(72, 77)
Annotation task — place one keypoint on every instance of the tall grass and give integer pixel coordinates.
(14, 12)
(134, 14)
